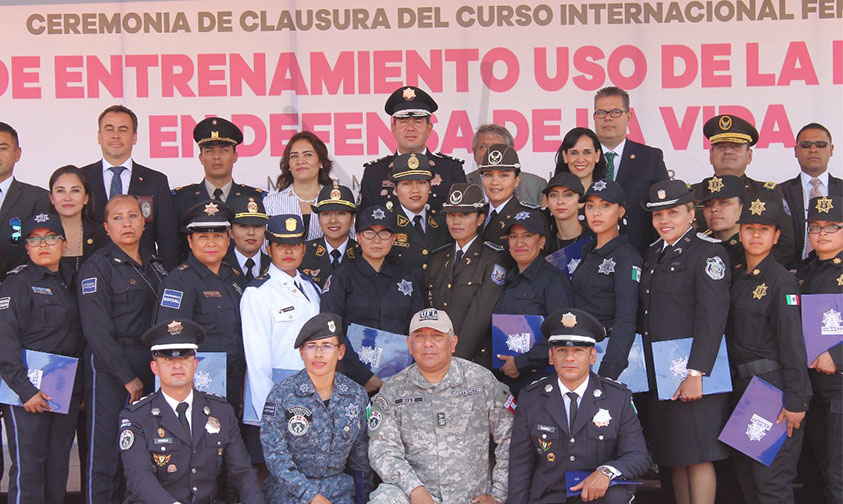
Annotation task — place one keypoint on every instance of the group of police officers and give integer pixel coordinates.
(425, 254)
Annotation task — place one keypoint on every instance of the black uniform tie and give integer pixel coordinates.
(335, 258)
(458, 257)
(218, 194)
(492, 215)
(573, 409)
(418, 225)
(250, 263)
(182, 411)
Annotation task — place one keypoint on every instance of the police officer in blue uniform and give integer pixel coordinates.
(335, 209)
(314, 424)
(606, 280)
(372, 292)
(217, 139)
(722, 201)
(574, 420)
(204, 289)
(173, 442)
(532, 287)
(118, 291)
(410, 108)
(38, 311)
(419, 230)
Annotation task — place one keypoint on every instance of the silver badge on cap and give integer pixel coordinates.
(332, 326)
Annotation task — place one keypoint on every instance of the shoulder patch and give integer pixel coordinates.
(769, 185)
(494, 246)
(498, 274)
(370, 163)
(89, 285)
(710, 239)
(4, 302)
(172, 298)
(17, 270)
(127, 439)
(452, 158)
(714, 268)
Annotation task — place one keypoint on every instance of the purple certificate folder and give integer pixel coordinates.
(384, 353)
(574, 478)
(514, 335)
(567, 259)
(822, 323)
(752, 428)
(53, 374)
(670, 359)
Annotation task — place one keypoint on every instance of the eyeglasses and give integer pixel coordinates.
(35, 241)
(819, 144)
(601, 114)
(314, 348)
(829, 229)
(369, 234)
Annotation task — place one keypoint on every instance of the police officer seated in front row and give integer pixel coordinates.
(314, 424)
(173, 442)
(574, 420)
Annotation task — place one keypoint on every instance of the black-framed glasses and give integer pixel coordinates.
(369, 234)
(615, 113)
(829, 229)
(807, 144)
(35, 241)
(15, 224)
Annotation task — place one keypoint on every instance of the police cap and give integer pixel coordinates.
(174, 338)
(761, 211)
(722, 187)
(337, 198)
(410, 167)
(667, 194)
(48, 221)
(217, 131)
(287, 229)
(249, 212)
(410, 101)
(207, 217)
(532, 220)
(375, 215)
(464, 198)
(320, 326)
(572, 327)
(607, 190)
(564, 179)
(500, 157)
(826, 208)
(730, 128)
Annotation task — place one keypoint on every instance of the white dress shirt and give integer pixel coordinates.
(174, 403)
(125, 175)
(341, 248)
(4, 188)
(617, 150)
(412, 215)
(226, 189)
(241, 261)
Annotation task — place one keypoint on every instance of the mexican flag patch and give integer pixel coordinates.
(792, 299)
(636, 274)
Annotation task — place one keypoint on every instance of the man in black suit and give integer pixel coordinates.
(18, 202)
(217, 139)
(117, 173)
(633, 165)
(813, 150)
(247, 237)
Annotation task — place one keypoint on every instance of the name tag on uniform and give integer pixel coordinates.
(287, 309)
(468, 392)
(89, 285)
(42, 290)
(409, 400)
(546, 428)
(172, 299)
(166, 440)
(211, 294)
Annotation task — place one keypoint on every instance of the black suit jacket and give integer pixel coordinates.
(231, 259)
(792, 190)
(161, 225)
(22, 201)
(641, 166)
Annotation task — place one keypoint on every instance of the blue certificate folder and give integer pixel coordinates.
(635, 374)
(515, 335)
(752, 428)
(822, 323)
(250, 416)
(52, 374)
(567, 259)
(573, 478)
(384, 353)
(210, 375)
(670, 359)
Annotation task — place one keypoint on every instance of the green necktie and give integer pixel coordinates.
(610, 165)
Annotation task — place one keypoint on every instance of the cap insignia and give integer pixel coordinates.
(290, 224)
(456, 197)
(495, 157)
(662, 194)
(569, 320)
(252, 206)
(211, 208)
(42, 217)
(413, 162)
(824, 205)
(174, 328)
(409, 94)
(332, 326)
(757, 207)
(715, 184)
(335, 194)
(726, 123)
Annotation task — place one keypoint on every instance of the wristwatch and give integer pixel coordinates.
(606, 472)
(693, 373)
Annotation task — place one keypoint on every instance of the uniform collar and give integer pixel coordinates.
(343, 246)
(453, 378)
(304, 385)
(759, 269)
(203, 270)
(532, 271)
(836, 261)
(174, 403)
(226, 189)
(466, 248)
(608, 248)
(365, 268)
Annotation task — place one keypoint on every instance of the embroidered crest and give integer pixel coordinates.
(211, 208)
(607, 266)
(161, 459)
(378, 214)
(332, 326)
(599, 185)
(298, 425)
(544, 445)
(760, 291)
(715, 184)
(757, 427)
(714, 268)
(374, 421)
(351, 412)
(127, 439)
(824, 205)
(572, 265)
(405, 287)
(522, 215)
(498, 274)
(757, 207)
(832, 322)
(518, 342)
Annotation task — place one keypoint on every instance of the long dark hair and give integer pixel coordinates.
(74, 170)
(286, 178)
(570, 140)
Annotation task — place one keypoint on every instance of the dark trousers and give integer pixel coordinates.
(822, 453)
(105, 398)
(619, 494)
(39, 446)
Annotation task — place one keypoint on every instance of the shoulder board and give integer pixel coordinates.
(538, 383)
(258, 281)
(494, 246)
(140, 402)
(17, 270)
(657, 240)
(216, 397)
(452, 158)
(257, 190)
(378, 160)
(443, 247)
(183, 266)
(710, 239)
(612, 383)
(530, 205)
(184, 188)
(769, 185)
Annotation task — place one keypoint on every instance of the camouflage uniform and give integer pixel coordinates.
(307, 444)
(437, 435)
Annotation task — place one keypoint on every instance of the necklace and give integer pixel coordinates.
(302, 200)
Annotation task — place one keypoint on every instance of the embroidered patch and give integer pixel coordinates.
(715, 268)
(172, 299)
(127, 439)
(89, 285)
(374, 421)
(4, 302)
(269, 409)
(42, 290)
(607, 266)
(405, 287)
(636, 274)
(498, 274)
(298, 425)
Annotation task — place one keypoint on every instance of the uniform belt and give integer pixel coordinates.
(755, 367)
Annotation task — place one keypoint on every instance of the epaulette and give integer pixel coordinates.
(530, 205)
(184, 188)
(216, 397)
(140, 402)
(657, 240)
(17, 270)
(769, 185)
(443, 247)
(452, 158)
(183, 266)
(613, 383)
(378, 160)
(541, 381)
(710, 239)
(494, 246)
(258, 281)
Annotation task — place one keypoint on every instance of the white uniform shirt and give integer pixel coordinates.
(273, 313)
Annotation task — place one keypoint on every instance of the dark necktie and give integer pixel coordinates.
(572, 409)
(250, 263)
(492, 215)
(116, 181)
(218, 194)
(418, 225)
(458, 256)
(182, 411)
(610, 165)
(335, 258)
